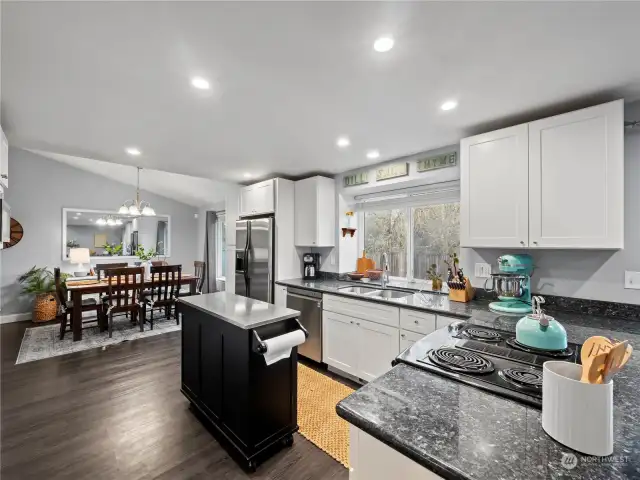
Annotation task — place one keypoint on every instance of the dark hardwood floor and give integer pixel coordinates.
(119, 414)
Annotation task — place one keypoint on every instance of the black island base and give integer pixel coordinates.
(249, 406)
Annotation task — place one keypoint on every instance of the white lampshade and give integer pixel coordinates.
(79, 255)
(101, 221)
(118, 221)
(111, 222)
(133, 210)
(148, 211)
(124, 210)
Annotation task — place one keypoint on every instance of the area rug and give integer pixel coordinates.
(319, 423)
(43, 342)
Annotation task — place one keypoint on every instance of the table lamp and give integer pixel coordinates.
(79, 256)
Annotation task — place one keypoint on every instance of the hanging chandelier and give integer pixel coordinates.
(109, 220)
(137, 207)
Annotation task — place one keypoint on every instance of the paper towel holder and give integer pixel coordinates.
(261, 347)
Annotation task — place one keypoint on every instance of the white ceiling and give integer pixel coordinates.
(198, 192)
(90, 78)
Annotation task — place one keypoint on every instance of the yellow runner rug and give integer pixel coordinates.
(319, 423)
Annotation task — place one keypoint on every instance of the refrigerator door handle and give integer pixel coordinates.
(270, 298)
(247, 279)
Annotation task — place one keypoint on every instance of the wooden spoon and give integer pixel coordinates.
(593, 346)
(593, 367)
(616, 359)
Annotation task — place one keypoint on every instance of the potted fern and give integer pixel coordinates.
(40, 282)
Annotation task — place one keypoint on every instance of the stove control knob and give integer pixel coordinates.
(455, 327)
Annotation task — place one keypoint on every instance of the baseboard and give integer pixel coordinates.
(15, 317)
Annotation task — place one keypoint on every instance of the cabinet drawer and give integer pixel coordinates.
(443, 321)
(420, 322)
(364, 310)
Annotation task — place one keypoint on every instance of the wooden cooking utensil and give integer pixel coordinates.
(593, 346)
(593, 368)
(616, 359)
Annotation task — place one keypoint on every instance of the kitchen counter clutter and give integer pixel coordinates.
(462, 432)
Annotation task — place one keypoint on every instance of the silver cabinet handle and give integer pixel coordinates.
(535, 243)
(402, 335)
(522, 243)
(351, 322)
(358, 323)
(4, 175)
(417, 322)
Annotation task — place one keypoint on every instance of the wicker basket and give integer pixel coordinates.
(45, 307)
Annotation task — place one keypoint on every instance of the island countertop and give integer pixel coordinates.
(462, 432)
(242, 312)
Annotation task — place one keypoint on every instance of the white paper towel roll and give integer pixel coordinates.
(280, 347)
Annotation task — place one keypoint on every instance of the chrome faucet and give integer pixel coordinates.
(385, 270)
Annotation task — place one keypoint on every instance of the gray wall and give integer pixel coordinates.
(40, 188)
(85, 235)
(592, 274)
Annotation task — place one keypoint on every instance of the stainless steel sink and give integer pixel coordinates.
(389, 294)
(358, 290)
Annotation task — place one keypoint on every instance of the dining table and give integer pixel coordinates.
(92, 287)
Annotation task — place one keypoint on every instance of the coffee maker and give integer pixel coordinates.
(310, 266)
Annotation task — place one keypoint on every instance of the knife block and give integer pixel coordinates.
(463, 295)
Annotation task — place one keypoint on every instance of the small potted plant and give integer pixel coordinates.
(113, 249)
(435, 277)
(145, 256)
(72, 244)
(41, 283)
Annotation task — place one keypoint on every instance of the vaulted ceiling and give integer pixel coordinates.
(89, 79)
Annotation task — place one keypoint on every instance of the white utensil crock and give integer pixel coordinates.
(576, 414)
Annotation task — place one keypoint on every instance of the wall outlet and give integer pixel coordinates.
(632, 280)
(482, 270)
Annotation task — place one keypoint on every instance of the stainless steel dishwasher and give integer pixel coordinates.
(309, 304)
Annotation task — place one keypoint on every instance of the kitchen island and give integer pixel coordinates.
(249, 404)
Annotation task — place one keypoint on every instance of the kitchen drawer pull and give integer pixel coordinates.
(351, 322)
(416, 322)
(402, 335)
(358, 323)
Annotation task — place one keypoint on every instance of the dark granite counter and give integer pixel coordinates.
(461, 432)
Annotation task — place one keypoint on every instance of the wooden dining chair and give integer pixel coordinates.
(100, 270)
(198, 271)
(165, 287)
(124, 294)
(66, 311)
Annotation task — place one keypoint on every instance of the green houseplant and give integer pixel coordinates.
(145, 255)
(435, 277)
(113, 249)
(41, 283)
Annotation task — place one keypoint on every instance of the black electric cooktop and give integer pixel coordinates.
(486, 358)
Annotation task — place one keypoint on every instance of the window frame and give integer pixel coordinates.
(408, 207)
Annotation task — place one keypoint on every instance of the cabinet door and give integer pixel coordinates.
(576, 179)
(4, 161)
(494, 200)
(377, 347)
(306, 213)
(263, 198)
(280, 299)
(339, 345)
(407, 339)
(191, 354)
(246, 201)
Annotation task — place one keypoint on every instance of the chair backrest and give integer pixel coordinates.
(101, 267)
(165, 283)
(158, 263)
(124, 287)
(198, 271)
(61, 292)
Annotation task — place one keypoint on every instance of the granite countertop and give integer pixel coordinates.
(462, 432)
(240, 311)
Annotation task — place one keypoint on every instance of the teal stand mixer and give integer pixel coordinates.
(513, 284)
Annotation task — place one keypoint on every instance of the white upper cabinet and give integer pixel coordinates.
(553, 183)
(257, 199)
(494, 191)
(576, 179)
(4, 160)
(315, 216)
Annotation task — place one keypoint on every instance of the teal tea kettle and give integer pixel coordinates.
(540, 331)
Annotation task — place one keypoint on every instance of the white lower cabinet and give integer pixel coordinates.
(358, 347)
(280, 296)
(442, 321)
(407, 339)
(339, 342)
(371, 459)
(377, 347)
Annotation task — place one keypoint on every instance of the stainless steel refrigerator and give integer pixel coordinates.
(254, 258)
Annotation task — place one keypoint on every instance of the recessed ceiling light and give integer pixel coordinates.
(383, 44)
(91, 219)
(78, 214)
(247, 175)
(449, 105)
(343, 142)
(200, 83)
(373, 154)
(133, 151)
(76, 218)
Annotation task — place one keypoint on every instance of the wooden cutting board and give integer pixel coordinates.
(365, 263)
